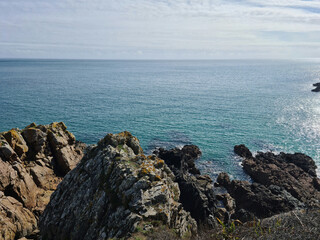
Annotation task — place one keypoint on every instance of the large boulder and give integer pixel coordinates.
(33, 162)
(112, 192)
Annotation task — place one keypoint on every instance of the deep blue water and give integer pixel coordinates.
(266, 105)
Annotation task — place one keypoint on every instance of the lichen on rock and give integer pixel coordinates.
(30, 171)
(113, 190)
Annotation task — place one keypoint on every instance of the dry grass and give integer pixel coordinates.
(295, 225)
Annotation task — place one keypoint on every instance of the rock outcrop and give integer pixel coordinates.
(282, 183)
(33, 162)
(317, 89)
(113, 192)
(197, 196)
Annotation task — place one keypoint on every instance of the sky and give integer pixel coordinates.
(160, 29)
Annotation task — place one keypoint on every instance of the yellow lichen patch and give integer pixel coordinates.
(157, 178)
(144, 171)
(125, 134)
(16, 141)
(14, 134)
(149, 166)
(159, 163)
(58, 125)
(54, 125)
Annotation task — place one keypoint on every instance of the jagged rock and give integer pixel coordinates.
(15, 220)
(63, 145)
(30, 171)
(257, 200)
(113, 189)
(223, 179)
(242, 151)
(192, 185)
(293, 172)
(23, 188)
(17, 143)
(6, 151)
(7, 175)
(283, 182)
(181, 159)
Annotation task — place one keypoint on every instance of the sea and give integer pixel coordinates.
(215, 104)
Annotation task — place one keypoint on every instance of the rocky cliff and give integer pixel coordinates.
(114, 191)
(33, 162)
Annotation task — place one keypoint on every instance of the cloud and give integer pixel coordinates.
(159, 28)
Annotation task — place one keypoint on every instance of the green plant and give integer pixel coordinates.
(228, 230)
(258, 229)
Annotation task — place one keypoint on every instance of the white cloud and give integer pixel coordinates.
(159, 28)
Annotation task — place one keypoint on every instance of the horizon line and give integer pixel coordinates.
(157, 59)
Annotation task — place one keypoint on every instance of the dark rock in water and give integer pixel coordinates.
(30, 170)
(112, 192)
(242, 151)
(197, 196)
(181, 160)
(257, 200)
(287, 171)
(317, 89)
(283, 182)
(223, 179)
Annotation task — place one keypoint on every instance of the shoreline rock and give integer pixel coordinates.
(282, 183)
(31, 167)
(317, 89)
(117, 191)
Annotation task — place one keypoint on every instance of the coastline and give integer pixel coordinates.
(36, 159)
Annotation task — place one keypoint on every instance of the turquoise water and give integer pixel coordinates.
(266, 105)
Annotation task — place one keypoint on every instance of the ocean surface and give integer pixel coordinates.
(267, 105)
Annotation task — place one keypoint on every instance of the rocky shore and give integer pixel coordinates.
(33, 161)
(53, 187)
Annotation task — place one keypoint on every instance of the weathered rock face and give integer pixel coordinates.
(113, 190)
(283, 182)
(15, 220)
(197, 196)
(257, 200)
(30, 170)
(296, 173)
